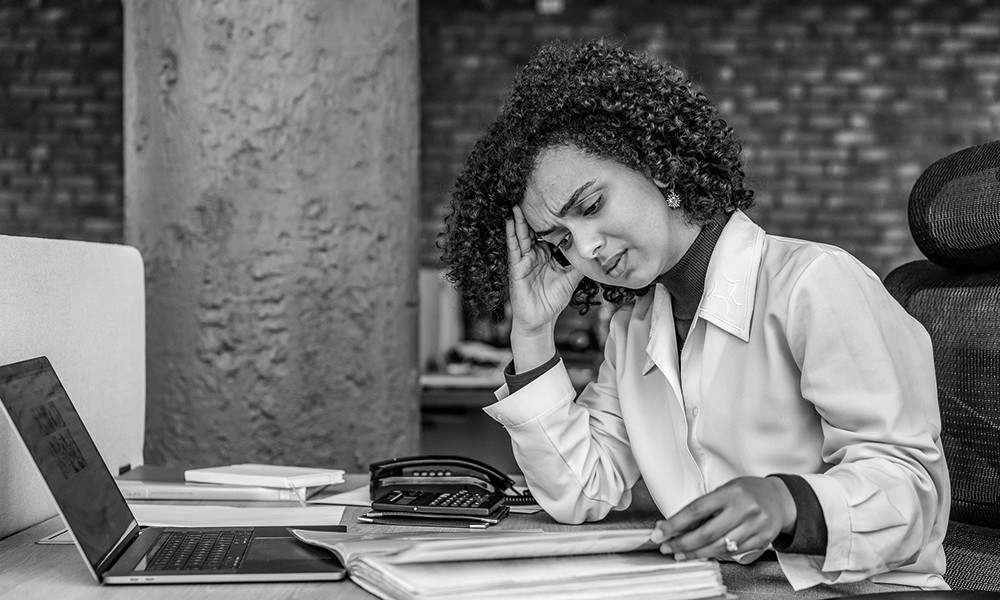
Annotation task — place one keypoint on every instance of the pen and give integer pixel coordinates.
(428, 515)
(380, 520)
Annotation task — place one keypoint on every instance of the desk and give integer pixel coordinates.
(31, 571)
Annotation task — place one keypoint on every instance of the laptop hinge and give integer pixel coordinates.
(117, 550)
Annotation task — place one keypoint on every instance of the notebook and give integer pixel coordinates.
(116, 549)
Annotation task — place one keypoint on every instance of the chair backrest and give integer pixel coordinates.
(954, 213)
(82, 304)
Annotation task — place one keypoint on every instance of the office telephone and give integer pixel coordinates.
(444, 485)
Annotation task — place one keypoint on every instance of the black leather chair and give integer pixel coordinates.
(954, 213)
(953, 595)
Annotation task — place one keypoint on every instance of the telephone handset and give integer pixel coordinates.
(434, 475)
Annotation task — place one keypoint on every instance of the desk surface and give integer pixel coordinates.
(29, 570)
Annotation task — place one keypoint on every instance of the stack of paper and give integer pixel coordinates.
(572, 565)
(148, 482)
(296, 479)
(635, 575)
(275, 476)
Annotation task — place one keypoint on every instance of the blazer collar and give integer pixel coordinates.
(728, 299)
(731, 280)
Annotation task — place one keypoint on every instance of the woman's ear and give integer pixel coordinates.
(659, 183)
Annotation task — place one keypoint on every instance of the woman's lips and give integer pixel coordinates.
(614, 267)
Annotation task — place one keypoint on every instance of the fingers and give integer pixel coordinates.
(710, 544)
(521, 243)
(714, 525)
(701, 539)
(513, 247)
(522, 231)
(712, 538)
(519, 240)
(689, 518)
(740, 540)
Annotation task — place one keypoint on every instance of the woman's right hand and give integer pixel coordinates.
(540, 289)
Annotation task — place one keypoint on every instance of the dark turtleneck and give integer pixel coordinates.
(686, 280)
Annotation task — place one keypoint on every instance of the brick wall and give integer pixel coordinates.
(840, 105)
(60, 119)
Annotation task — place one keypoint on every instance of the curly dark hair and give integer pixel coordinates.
(608, 102)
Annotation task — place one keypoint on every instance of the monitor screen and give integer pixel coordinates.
(89, 499)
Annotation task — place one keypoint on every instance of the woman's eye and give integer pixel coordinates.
(563, 243)
(594, 207)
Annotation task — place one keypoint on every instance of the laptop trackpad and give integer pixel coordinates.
(287, 554)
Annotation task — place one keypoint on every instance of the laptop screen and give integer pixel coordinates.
(65, 453)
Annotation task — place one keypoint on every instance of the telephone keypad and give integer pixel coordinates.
(450, 502)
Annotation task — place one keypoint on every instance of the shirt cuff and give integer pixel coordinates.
(516, 381)
(810, 535)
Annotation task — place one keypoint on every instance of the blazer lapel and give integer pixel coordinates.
(661, 350)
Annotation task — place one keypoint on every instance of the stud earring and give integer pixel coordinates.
(673, 200)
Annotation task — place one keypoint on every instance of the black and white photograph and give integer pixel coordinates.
(530, 299)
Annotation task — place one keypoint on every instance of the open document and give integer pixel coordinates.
(571, 565)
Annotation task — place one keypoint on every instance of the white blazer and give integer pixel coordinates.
(798, 361)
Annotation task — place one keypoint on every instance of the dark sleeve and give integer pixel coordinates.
(516, 381)
(810, 535)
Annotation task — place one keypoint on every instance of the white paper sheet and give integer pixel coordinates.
(355, 497)
(202, 515)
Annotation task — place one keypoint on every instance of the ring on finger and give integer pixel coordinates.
(731, 546)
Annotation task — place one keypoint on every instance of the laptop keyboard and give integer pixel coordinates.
(198, 550)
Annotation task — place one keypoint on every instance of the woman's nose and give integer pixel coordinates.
(589, 244)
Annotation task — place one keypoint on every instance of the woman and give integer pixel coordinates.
(774, 398)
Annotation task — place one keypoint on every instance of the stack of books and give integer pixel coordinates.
(572, 566)
(240, 482)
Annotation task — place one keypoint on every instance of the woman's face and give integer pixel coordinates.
(609, 221)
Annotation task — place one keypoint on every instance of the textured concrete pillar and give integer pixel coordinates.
(272, 187)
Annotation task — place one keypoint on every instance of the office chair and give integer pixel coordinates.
(83, 305)
(954, 214)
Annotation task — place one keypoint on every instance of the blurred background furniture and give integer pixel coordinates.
(954, 215)
(81, 304)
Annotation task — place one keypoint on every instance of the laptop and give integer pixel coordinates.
(116, 549)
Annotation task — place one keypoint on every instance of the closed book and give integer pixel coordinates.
(273, 476)
(168, 483)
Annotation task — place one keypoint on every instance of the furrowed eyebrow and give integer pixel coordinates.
(573, 199)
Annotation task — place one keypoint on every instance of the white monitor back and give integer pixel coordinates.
(81, 304)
